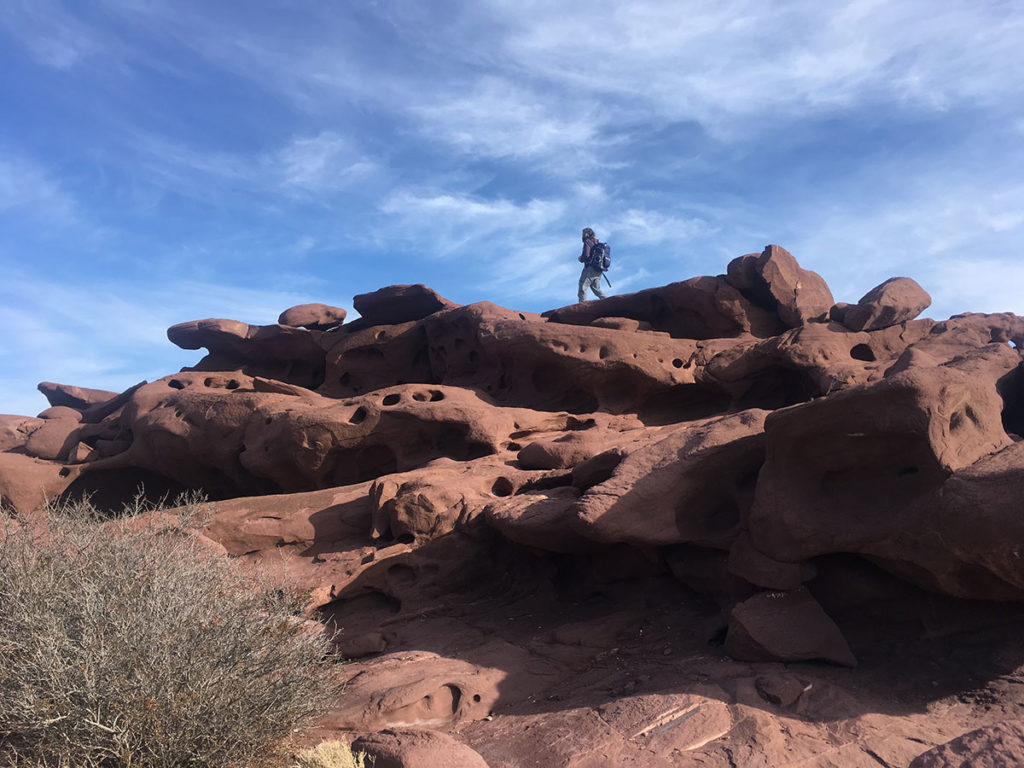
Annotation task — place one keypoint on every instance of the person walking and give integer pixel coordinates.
(590, 277)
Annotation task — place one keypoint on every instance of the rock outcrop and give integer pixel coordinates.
(594, 536)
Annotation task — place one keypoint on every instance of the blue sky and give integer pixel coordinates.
(171, 160)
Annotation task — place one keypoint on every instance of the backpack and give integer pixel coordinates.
(600, 256)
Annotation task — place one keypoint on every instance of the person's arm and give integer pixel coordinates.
(586, 252)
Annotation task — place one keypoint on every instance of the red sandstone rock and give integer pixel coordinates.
(801, 294)
(785, 626)
(844, 471)
(548, 612)
(699, 308)
(895, 301)
(691, 486)
(15, 431)
(398, 304)
(318, 317)
(27, 484)
(56, 437)
(280, 352)
(417, 749)
(775, 281)
(73, 397)
(1000, 745)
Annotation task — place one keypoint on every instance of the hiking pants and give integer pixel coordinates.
(590, 278)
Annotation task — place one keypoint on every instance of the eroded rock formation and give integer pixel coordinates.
(708, 523)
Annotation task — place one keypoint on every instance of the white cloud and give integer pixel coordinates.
(451, 222)
(499, 118)
(29, 189)
(322, 163)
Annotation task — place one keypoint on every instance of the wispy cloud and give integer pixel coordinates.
(29, 189)
(449, 222)
(322, 163)
(54, 37)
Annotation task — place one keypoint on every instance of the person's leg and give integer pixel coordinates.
(582, 292)
(595, 286)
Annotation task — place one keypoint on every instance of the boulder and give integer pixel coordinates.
(895, 301)
(318, 317)
(774, 280)
(398, 304)
(417, 749)
(785, 626)
(846, 471)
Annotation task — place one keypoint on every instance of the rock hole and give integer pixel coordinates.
(64, 472)
(522, 316)
(233, 384)
(474, 356)
(863, 352)
(400, 574)
(391, 399)
(380, 335)
(436, 395)
(358, 417)
(176, 384)
(346, 377)
(268, 420)
(502, 487)
(718, 638)
(406, 538)
(476, 696)
(677, 363)
(907, 471)
(513, 446)
(456, 696)
(208, 382)
(604, 352)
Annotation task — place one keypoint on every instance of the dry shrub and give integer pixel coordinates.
(123, 646)
(332, 754)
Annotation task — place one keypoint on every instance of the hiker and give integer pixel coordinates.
(590, 277)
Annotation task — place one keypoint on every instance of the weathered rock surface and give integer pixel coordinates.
(995, 746)
(550, 536)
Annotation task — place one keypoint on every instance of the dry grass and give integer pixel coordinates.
(331, 754)
(123, 647)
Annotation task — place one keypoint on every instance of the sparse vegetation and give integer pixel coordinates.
(130, 645)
